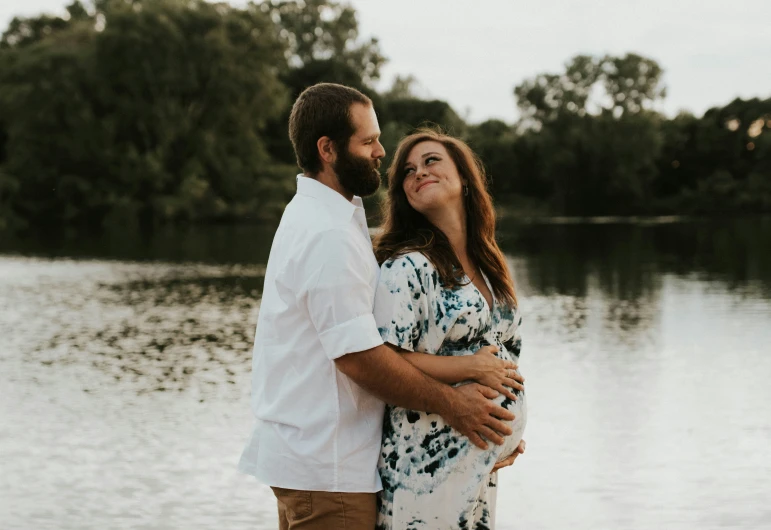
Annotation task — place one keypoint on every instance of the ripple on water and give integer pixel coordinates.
(150, 327)
(125, 392)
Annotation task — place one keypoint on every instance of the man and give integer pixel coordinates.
(321, 371)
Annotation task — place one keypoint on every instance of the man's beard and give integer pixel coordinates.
(356, 174)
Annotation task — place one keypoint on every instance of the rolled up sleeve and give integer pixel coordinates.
(340, 295)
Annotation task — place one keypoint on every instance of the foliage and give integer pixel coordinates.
(154, 111)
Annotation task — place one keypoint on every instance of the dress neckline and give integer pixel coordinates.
(482, 296)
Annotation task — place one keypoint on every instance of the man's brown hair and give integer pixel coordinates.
(322, 110)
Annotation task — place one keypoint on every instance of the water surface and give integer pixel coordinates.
(124, 374)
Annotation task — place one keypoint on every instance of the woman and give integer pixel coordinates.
(444, 290)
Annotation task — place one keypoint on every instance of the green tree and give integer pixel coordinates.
(546, 97)
(402, 87)
(632, 82)
(23, 32)
(595, 155)
(149, 108)
(327, 33)
(718, 163)
(322, 44)
(496, 142)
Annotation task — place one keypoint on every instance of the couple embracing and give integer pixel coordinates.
(386, 387)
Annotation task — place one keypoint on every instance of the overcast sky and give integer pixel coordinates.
(472, 53)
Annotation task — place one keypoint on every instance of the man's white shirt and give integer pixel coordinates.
(315, 428)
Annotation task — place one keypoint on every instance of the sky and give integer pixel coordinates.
(472, 53)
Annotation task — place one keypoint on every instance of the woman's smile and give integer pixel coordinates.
(424, 184)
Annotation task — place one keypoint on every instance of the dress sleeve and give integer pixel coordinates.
(402, 303)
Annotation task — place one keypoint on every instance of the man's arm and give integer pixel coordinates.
(337, 290)
(467, 408)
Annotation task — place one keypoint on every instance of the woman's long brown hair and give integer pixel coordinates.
(406, 230)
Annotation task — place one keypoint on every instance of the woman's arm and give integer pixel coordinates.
(483, 367)
(448, 370)
(510, 459)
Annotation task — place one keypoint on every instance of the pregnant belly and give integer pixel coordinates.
(420, 451)
(519, 409)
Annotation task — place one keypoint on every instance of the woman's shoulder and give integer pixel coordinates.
(411, 261)
(413, 270)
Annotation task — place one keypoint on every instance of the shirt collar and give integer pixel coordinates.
(335, 202)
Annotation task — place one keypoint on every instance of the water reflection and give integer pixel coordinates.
(616, 272)
(200, 244)
(124, 367)
(628, 260)
(153, 328)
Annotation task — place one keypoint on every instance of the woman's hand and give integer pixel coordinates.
(496, 373)
(510, 460)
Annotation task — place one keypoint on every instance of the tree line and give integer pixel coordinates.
(158, 111)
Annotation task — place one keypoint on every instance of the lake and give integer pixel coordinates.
(125, 363)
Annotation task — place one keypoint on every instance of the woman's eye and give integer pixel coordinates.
(431, 159)
(409, 171)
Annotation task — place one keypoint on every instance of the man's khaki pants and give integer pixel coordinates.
(325, 510)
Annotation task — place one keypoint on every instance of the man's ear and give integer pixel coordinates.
(327, 150)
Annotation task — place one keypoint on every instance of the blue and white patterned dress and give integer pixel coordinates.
(433, 477)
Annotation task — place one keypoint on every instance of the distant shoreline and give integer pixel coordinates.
(601, 219)
(593, 220)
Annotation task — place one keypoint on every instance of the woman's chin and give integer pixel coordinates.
(431, 200)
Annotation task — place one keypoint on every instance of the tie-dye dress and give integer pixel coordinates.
(433, 477)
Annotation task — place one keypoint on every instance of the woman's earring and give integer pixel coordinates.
(465, 191)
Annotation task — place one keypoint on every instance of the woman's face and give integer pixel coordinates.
(431, 180)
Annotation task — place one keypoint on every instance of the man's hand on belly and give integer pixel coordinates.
(473, 413)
